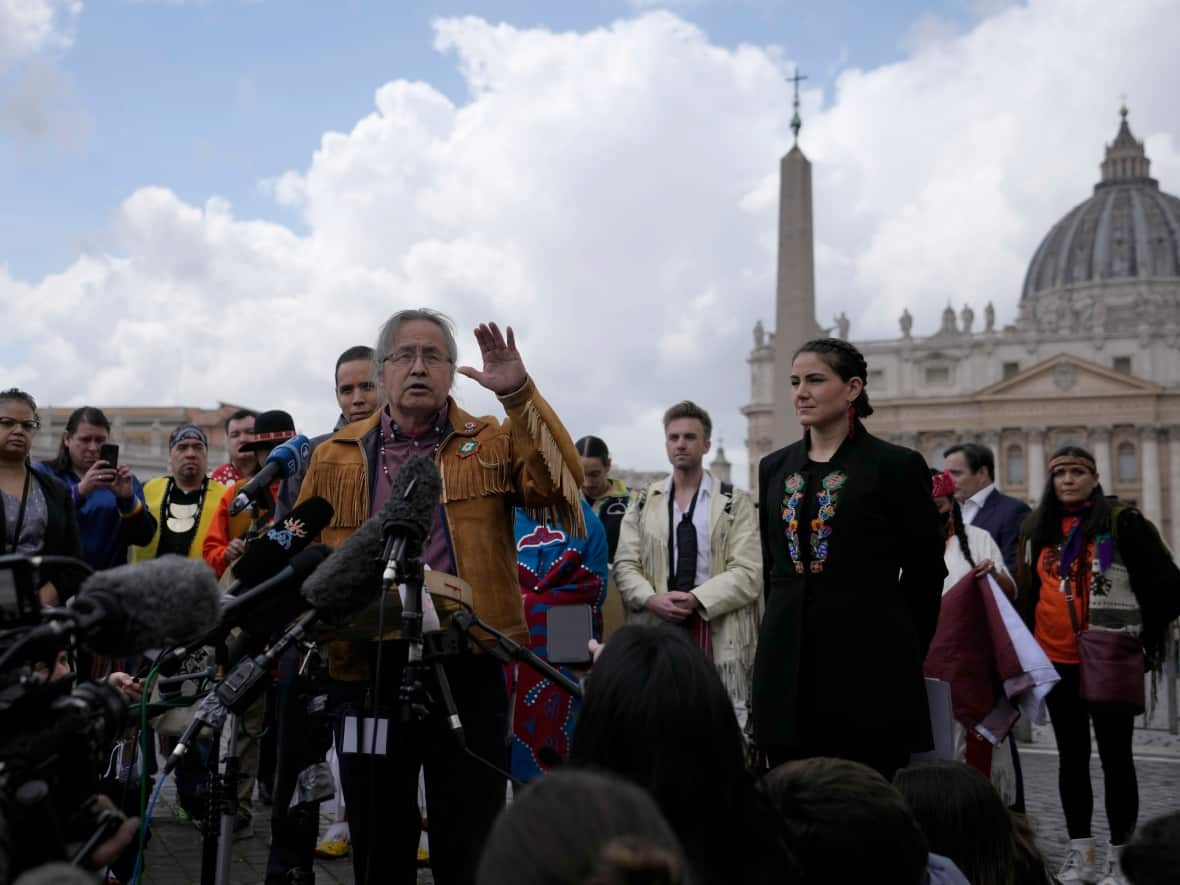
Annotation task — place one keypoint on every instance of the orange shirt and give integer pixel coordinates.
(1053, 628)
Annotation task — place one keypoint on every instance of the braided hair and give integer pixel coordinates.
(960, 527)
(847, 362)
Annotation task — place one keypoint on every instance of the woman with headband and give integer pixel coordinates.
(1089, 563)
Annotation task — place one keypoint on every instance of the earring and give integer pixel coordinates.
(851, 419)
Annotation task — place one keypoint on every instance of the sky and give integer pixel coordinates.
(208, 200)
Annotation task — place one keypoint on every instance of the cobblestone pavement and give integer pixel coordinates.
(174, 855)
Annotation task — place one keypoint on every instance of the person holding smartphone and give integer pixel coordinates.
(108, 499)
(563, 585)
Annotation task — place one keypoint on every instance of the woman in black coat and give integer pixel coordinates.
(852, 553)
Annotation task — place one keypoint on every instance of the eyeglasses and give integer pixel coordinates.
(403, 359)
(9, 423)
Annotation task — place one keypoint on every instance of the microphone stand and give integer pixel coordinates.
(211, 842)
(506, 651)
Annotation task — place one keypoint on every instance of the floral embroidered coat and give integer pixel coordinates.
(852, 569)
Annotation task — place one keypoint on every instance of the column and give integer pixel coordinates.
(1174, 485)
(1100, 446)
(1150, 496)
(1036, 464)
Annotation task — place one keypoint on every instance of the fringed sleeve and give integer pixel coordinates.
(547, 469)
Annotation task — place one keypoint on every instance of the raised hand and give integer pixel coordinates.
(503, 369)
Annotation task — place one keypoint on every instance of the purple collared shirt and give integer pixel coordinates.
(394, 449)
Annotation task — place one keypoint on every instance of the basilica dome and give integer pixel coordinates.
(1128, 231)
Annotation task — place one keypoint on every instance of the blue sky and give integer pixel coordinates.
(603, 175)
(211, 98)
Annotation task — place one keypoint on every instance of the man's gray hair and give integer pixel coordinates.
(389, 332)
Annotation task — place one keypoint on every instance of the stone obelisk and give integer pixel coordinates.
(795, 297)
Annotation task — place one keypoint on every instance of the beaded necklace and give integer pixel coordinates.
(396, 431)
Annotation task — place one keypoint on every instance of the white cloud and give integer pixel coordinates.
(28, 27)
(612, 194)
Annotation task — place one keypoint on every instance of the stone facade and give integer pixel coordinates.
(1092, 358)
(141, 433)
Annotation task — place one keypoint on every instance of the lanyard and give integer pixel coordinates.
(20, 514)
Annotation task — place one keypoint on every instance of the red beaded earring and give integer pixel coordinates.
(851, 419)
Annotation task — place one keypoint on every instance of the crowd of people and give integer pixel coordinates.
(760, 671)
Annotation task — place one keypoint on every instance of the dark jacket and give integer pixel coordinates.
(1154, 577)
(1001, 517)
(839, 664)
(61, 532)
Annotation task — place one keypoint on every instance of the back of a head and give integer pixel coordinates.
(655, 709)
(846, 823)
(1153, 856)
(657, 713)
(963, 818)
(581, 828)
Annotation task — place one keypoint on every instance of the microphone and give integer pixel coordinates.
(283, 461)
(56, 873)
(267, 554)
(409, 513)
(258, 611)
(153, 604)
(350, 578)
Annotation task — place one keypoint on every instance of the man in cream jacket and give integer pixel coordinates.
(689, 556)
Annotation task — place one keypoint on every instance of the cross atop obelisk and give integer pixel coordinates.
(796, 120)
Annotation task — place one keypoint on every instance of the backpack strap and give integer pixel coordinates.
(727, 493)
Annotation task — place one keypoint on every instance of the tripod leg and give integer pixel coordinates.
(229, 802)
(449, 709)
(209, 827)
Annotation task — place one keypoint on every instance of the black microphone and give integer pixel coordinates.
(409, 513)
(258, 611)
(153, 604)
(350, 579)
(337, 589)
(289, 459)
(268, 553)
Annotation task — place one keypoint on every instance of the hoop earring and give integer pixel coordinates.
(851, 419)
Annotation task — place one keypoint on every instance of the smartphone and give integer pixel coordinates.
(569, 629)
(109, 452)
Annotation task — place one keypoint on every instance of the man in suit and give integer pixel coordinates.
(984, 506)
(974, 468)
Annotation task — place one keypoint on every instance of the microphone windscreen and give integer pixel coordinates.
(416, 491)
(57, 873)
(350, 578)
(267, 554)
(150, 604)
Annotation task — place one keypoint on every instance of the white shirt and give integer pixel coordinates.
(974, 504)
(983, 546)
(700, 521)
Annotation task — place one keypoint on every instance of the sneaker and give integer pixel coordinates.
(243, 826)
(332, 849)
(1079, 865)
(1113, 874)
(182, 815)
